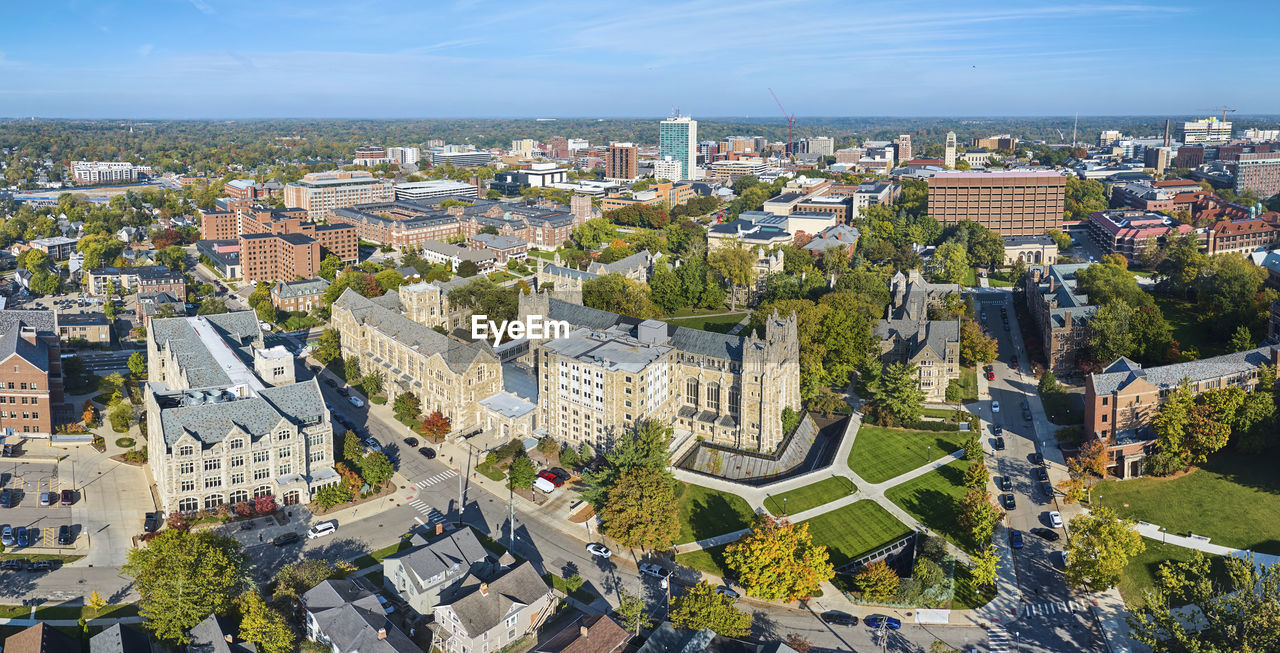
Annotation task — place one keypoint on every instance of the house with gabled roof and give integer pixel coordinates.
(420, 573)
(486, 613)
(350, 618)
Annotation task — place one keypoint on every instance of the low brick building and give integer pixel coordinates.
(297, 296)
(1127, 232)
(1239, 236)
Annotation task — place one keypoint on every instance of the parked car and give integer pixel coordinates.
(991, 376)
(322, 529)
(1042, 474)
(552, 478)
(1037, 459)
(11, 565)
(725, 591)
(65, 535)
(286, 539)
(1060, 557)
(546, 486)
(560, 473)
(344, 392)
(1005, 484)
(6, 536)
(39, 565)
(650, 569)
(357, 402)
(151, 523)
(881, 621)
(1015, 539)
(1026, 415)
(996, 429)
(1013, 362)
(1008, 501)
(1055, 518)
(22, 536)
(386, 605)
(995, 406)
(411, 442)
(47, 498)
(427, 452)
(6, 498)
(997, 444)
(837, 618)
(68, 497)
(330, 382)
(599, 550)
(1045, 533)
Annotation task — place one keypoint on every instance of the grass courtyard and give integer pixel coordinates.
(933, 499)
(968, 383)
(714, 323)
(1231, 500)
(706, 513)
(855, 529)
(879, 453)
(794, 502)
(1140, 574)
(1187, 330)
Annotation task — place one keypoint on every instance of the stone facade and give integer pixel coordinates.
(1061, 314)
(907, 335)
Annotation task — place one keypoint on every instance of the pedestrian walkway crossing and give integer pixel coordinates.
(998, 640)
(432, 480)
(1049, 607)
(432, 515)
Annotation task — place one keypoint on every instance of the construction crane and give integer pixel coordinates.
(790, 118)
(1224, 109)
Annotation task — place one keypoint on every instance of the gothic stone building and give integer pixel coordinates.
(907, 335)
(1061, 313)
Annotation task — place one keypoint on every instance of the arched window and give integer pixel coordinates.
(691, 392)
(212, 501)
(735, 401)
(713, 397)
(188, 504)
(261, 491)
(240, 496)
(185, 451)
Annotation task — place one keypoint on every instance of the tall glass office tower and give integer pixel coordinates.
(678, 139)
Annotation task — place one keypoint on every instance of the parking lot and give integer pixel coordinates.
(29, 484)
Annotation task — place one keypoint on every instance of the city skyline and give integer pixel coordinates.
(233, 59)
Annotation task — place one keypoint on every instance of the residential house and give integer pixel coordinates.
(486, 614)
(119, 638)
(669, 639)
(351, 619)
(41, 638)
(842, 236)
(420, 573)
(295, 296)
(217, 635)
(595, 633)
(151, 305)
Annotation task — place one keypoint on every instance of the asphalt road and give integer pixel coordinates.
(1058, 616)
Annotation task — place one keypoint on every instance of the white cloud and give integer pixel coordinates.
(202, 6)
(145, 49)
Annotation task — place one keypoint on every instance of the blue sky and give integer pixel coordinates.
(357, 58)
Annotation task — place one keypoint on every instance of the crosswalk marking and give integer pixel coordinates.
(433, 516)
(1049, 607)
(998, 640)
(432, 480)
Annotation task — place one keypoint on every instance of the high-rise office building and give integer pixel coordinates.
(1008, 203)
(678, 139)
(820, 145)
(951, 150)
(1259, 173)
(622, 161)
(1208, 130)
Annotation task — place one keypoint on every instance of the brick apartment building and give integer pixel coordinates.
(278, 257)
(1121, 401)
(622, 161)
(1009, 203)
(1060, 313)
(319, 193)
(144, 279)
(31, 382)
(295, 296)
(1258, 172)
(1126, 232)
(219, 225)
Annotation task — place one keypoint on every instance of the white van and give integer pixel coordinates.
(356, 401)
(543, 484)
(322, 529)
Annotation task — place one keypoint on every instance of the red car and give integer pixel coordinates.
(991, 376)
(551, 478)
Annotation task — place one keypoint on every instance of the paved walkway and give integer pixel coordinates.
(1158, 533)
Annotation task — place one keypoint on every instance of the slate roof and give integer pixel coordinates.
(301, 288)
(120, 639)
(478, 612)
(41, 638)
(1123, 372)
(449, 555)
(835, 236)
(694, 341)
(177, 335)
(350, 617)
(491, 241)
(568, 273)
(640, 260)
(459, 356)
(931, 334)
(210, 423)
(210, 636)
(604, 635)
(39, 320)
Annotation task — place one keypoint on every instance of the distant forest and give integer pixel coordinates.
(210, 146)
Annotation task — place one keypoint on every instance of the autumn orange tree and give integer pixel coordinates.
(878, 581)
(436, 426)
(779, 560)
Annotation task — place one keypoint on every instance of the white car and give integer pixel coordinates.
(995, 406)
(599, 550)
(1055, 518)
(322, 529)
(650, 569)
(356, 401)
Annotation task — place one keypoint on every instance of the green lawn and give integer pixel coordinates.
(967, 595)
(1057, 406)
(968, 383)
(709, 560)
(794, 502)
(933, 499)
(970, 278)
(1231, 499)
(706, 513)
(377, 556)
(1187, 329)
(998, 283)
(855, 529)
(717, 324)
(879, 454)
(1140, 574)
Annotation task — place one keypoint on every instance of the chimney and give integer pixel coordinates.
(439, 528)
(484, 589)
(583, 632)
(1067, 319)
(382, 633)
(28, 334)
